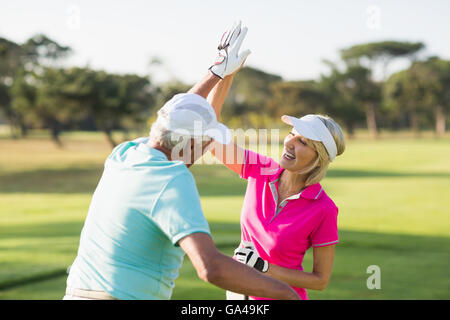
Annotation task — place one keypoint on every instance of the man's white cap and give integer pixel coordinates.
(190, 114)
(311, 127)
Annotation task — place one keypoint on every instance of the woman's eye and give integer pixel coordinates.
(299, 139)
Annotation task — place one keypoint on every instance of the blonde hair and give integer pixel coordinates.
(317, 170)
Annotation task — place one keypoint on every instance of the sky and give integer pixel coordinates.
(289, 38)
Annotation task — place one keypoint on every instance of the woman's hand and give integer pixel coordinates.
(248, 255)
(318, 279)
(236, 71)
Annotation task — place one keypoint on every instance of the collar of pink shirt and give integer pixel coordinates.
(311, 192)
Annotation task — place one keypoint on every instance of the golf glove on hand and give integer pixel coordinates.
(250, 257)
(229, 59)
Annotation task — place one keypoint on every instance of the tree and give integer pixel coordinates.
(43, 100)
(436, 76)
(41, 50)
(425, 86)
(250, 90)
(247, 99)
(296, 98)
(10, 62)
(137, 98)
(167, 90)
(347, 92)
(111, 100)
(26, 68)
(404, 93)
(383, 53)
(163, 93)
(10, 57)
(378, 54)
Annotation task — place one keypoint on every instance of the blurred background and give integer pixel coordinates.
(79, 77)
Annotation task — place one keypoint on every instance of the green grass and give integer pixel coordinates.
(392, 195)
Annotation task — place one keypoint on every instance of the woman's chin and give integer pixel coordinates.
(286, 164)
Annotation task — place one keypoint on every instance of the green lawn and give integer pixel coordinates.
(393, 196)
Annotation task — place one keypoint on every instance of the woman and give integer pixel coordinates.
(286, 210)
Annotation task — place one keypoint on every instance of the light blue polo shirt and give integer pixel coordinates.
(143, 205)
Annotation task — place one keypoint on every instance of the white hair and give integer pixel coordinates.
(168, 139)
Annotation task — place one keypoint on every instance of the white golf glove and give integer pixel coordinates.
(229, 59)
(248, 255)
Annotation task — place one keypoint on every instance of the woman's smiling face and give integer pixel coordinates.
(297, 154)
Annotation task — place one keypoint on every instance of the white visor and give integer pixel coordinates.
(311, 127)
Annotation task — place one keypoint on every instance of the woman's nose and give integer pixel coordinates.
(289, 142)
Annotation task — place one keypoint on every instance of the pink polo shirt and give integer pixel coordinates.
(282, 234)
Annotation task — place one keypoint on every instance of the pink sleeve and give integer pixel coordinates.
(326, 234)
(257, 165)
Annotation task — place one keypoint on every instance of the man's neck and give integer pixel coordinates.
(167, 153)
(159, 147)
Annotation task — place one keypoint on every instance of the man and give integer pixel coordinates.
(145, 213)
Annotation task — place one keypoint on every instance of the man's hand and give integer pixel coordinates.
(229, 60)
(226, 273)
(248, 255)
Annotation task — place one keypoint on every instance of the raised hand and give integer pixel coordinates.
(229, 59)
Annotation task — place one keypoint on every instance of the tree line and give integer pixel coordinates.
(37, 92)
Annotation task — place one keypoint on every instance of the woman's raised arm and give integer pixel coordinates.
(230, 155)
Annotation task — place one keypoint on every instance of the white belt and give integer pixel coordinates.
(90, 294)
